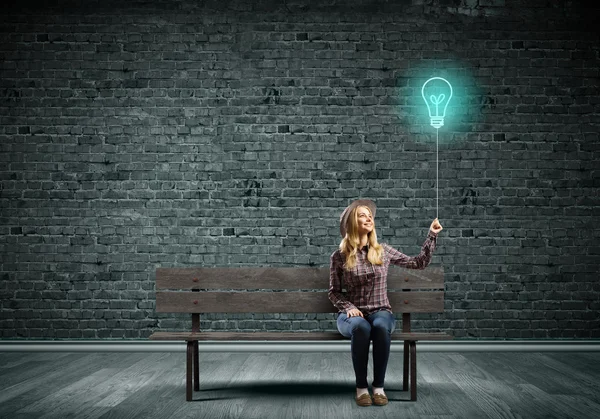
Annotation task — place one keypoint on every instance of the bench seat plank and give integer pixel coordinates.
(274, 336)
(279, 278)
(284, 302)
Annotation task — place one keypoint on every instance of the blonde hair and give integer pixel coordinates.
(349, 244)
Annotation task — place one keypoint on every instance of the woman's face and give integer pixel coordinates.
(365, 222)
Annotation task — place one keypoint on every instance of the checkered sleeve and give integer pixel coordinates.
(336, 271)
(417, 262)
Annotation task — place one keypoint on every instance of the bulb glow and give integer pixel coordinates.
(437, 93)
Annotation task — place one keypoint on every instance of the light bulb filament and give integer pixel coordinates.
(437, 101)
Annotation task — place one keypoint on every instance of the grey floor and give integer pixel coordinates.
(296, 385)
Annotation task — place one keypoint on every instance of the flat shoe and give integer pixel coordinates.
(364, 400)
(380, 399)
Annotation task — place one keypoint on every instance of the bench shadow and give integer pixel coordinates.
(289, 389)
(281, 388)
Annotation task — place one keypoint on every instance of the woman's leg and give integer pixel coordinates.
(383, 324)
(359, 331)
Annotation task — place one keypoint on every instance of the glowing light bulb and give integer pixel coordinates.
(437, 93)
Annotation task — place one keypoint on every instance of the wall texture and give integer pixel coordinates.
(138, 134)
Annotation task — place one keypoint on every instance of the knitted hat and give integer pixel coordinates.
(345, 217)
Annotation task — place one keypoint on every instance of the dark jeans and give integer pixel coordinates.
(376, 326)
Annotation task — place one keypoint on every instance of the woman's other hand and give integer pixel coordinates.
(354, 312)
(436, 227)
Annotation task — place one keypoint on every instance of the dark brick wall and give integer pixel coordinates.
(184, 133)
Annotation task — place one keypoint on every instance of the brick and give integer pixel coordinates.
(123, 149)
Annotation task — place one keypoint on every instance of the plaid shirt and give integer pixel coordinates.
(366, 284)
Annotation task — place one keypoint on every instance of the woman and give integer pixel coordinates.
(364, 312)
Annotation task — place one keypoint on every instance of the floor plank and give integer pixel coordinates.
(490, 395)
(443, 395)
(22, 391)
(160, 396)
(297, 386)
(306, 373)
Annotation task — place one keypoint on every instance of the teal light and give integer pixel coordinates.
(437, 93)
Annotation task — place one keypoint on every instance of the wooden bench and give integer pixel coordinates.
(284, 290)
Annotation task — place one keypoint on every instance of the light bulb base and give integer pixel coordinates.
(437, 121)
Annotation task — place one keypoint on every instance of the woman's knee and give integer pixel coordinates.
(385, 323)
(360, 327)
(349, 326)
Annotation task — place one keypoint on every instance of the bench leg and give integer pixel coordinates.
(413, 370)
(188, 371)
(196, 368)
(406, 365)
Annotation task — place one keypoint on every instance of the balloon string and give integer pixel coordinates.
(437, 135)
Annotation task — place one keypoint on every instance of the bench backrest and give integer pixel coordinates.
(284, 290)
